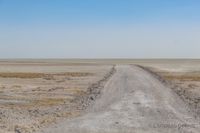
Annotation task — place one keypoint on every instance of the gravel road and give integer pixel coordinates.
(133, 101)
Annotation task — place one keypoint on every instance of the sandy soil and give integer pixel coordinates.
(133, 100)
(33, 96)
(62, 96)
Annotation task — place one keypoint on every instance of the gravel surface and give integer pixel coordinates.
(133, 100)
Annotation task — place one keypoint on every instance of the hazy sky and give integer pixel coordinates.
(99, 28)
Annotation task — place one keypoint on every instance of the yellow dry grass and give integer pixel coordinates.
(188, 76)
(21, 75)
(42, 75)
(75, 91)
(49, 101)
(74, 74)
(183, 77)
(31, 103)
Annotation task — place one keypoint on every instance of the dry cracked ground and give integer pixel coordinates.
(100, 96)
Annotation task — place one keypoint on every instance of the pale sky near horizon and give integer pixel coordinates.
(99, 29)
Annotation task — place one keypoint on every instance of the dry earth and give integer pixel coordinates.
(133, 100)
(95, 96)
(34, 95)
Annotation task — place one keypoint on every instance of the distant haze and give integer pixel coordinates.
(99, 29)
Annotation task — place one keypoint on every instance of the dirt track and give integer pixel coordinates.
(132, 101)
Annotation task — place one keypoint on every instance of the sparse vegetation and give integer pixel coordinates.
(21, 75)
(48, 101)
(32, 99)
(42, 75)
(180, 76)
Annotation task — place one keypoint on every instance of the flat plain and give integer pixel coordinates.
(99, 95)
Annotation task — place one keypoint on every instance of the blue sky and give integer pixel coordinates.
(99, 28)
